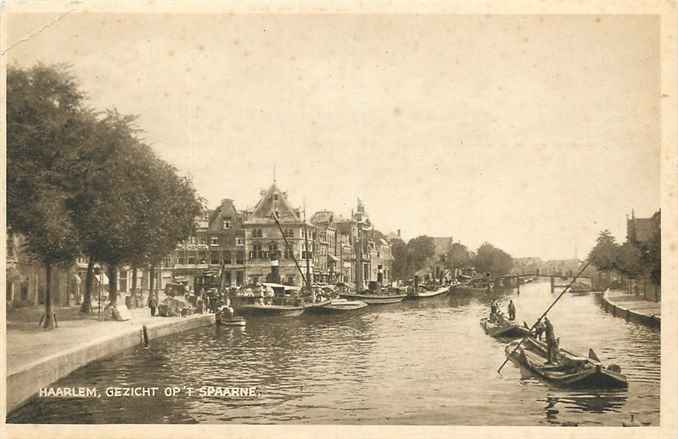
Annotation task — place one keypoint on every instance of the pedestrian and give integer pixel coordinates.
(152, 303)
(511, 310)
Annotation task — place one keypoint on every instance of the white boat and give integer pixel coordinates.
(336, 306)
(423, 293)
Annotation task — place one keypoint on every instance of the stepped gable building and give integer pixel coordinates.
(269, 254)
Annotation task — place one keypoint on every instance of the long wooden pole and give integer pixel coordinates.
(308, 267)
(289, 248)
(544, 314)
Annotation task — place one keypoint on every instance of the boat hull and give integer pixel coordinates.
(427, 294)
(504, 331)
(375, 299)
(589, 374)
(340, 307)
(271, 310)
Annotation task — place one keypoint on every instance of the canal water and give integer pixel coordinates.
(418, 362)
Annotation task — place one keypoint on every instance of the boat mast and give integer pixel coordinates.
(308, 263)
(289, 247)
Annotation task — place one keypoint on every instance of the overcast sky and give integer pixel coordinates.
(532, 133)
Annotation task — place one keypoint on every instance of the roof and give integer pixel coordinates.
(274, 200)
(323, 216)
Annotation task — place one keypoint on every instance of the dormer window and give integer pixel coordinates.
(227, 224)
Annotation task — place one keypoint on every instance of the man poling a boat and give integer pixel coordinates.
(532, 329)
(511, 310)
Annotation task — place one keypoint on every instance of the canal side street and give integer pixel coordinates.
(35, 358)
(632, 307)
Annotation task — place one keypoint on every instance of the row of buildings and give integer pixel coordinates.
(249, 244)
(254, 247)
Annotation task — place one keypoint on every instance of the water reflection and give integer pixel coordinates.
(417, 362)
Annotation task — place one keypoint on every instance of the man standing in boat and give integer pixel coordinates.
(551, 343)
(511, 310)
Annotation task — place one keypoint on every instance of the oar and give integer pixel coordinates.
(544, 314)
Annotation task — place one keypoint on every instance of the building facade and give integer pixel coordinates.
(252, 247)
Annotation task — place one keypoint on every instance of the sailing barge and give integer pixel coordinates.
(570, 370)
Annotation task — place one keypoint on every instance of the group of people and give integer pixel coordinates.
(543, 330)
(496, 315)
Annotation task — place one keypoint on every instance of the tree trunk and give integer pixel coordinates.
(113, 284)
(86, 306)
(134, 280)
(48, 320)
(151, 279)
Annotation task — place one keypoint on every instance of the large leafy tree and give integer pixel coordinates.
(46, 124)
(400, 259)
(419, 250)
(171, 213)
(458, 256)
(604, 254)
(628, 259)
(490, 259)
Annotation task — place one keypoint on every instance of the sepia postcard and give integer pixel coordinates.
(297, 219)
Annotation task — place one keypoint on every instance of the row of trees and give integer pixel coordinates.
(413, 256)
(84, 183)
(631, 259)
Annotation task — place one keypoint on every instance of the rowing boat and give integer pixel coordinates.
(570, 370)
(375, 299)
(424, 293)
(504, 329)
(271, 310)
(339, 306)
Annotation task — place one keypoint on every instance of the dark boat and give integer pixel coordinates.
(423, 292)
(570, 370)
(504, 329)
(339, 306)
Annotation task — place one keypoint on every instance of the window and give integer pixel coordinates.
(275, 197)
(181, 259)
(167, 261)
(304, 255)
(226, 257)
(214, 258)
(214, 240)
(192, 259)
(289, 233)
(240, 258)
(291, 279)
(257, 233)
(227, 223)
(239, 241)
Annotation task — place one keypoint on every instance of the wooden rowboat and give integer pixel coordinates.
(339, 306)
(424, 293)
(222, 320)
(504, 329)
(375, 299)
(570, 370)
(271, 310)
